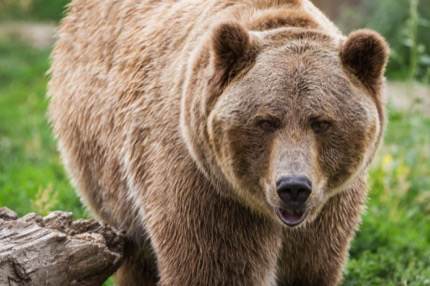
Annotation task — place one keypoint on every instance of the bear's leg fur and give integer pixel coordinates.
(139, 268)
(205, 254)
(203, 238)
(109, 204)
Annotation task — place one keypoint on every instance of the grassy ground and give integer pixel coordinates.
(30, 168)
(392, 247)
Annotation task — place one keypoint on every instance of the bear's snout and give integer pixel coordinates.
(293, 191)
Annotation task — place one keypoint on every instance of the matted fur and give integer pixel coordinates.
(154, 103)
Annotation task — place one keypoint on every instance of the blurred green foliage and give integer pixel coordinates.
(406, 26)
(42, 10)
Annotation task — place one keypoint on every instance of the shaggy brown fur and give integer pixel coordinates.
(175, 119)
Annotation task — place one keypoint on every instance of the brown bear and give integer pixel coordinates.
(229, 139)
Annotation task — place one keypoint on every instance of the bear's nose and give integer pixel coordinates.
(294, 190)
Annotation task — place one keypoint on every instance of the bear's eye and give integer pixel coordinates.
(320, 126)
(269, 124)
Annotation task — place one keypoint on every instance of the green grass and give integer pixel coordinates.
(392, 247)
(32, 177)
(29, 164)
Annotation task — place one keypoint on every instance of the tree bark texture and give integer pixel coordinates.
(55, 250)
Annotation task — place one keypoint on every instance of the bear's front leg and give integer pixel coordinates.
(209, 240)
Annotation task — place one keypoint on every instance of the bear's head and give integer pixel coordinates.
(284, 119)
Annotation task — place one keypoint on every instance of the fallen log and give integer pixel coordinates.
(55, 250)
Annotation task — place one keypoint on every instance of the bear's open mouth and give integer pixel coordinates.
(291, 217)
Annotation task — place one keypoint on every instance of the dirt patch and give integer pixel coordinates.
(38, 35)
(409, 96)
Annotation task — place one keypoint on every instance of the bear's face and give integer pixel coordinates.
(286, 118)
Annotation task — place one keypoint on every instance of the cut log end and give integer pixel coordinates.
(55, 250)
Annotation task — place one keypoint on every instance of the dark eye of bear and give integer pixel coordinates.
(320, 126)
(269, 124)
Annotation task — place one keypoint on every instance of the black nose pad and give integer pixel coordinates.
(294, 190)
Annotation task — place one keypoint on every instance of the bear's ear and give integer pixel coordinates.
(233, 48)
(365, 54)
